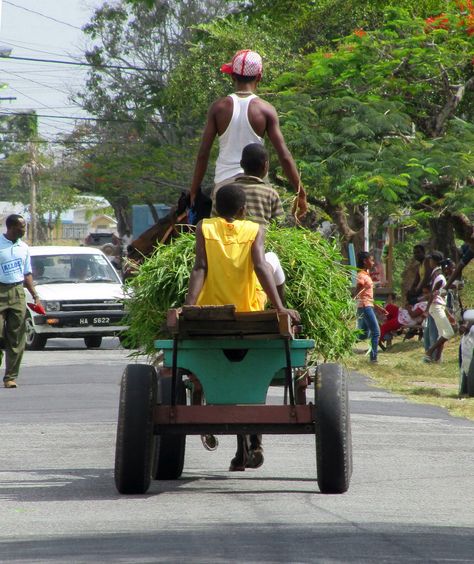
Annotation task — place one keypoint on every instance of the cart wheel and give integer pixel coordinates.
(133, 453)
(332, 429)
(168, 458)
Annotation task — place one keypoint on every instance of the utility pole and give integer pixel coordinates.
(366, 228)
(28, 125)
(30, 172)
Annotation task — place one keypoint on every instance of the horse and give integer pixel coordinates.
(165, 230)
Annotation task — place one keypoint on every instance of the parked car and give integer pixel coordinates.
(466, 356)
(81, 293)
(99, 239)
(109, 243)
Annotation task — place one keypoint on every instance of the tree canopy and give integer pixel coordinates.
(376, 106)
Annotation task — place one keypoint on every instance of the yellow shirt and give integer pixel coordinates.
(421, 271)
(230, 278)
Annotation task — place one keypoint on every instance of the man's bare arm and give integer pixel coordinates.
(198, 274)
(286, 160)
(28, 283)
(202, 159)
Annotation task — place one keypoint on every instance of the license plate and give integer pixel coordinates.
(100, 320)
(94, 321)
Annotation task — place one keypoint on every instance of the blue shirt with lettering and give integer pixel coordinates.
(15, 260)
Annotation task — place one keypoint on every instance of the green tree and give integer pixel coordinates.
(386, 118)
(30, 174)
(135, 153)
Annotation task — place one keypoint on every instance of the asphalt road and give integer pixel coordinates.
(411, 497)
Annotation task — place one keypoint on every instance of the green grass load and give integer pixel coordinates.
(317, 285)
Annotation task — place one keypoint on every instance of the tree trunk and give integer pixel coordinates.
(42, 231)
(463, 227)
(442, 236)
(122, 210)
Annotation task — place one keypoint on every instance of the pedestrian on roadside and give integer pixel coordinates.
(238, 120)
(422, 276)
(366, 320)
(437, 308)
(15, 272)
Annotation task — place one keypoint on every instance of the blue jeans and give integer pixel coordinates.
(368, 324)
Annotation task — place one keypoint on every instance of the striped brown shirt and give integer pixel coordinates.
(262, 201)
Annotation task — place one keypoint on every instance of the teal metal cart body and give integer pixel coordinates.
(216, 372)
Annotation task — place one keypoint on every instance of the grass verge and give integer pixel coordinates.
(401, 370)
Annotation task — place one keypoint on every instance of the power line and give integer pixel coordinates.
(78, 63)
(42, 15)
(35, 50)
(118, 120)
(30, 98)
(35, 82)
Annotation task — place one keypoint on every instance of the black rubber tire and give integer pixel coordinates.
(168, 457)
(470, 379)
(332, 429)
(134, 446)
(93, 341)
(34, 342)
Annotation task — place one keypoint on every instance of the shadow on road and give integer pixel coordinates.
(254, 542)
(98, 485)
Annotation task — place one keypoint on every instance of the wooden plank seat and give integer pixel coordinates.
(235, 356)
(223, 322)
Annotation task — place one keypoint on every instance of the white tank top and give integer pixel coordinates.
(238, 134)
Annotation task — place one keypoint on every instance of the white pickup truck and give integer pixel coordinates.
(81, 292)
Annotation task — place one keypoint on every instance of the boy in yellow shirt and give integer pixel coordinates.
(230, 261)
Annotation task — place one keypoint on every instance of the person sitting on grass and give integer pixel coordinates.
(398, 317)
(231, 268)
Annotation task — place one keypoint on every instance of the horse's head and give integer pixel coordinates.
(184, 202)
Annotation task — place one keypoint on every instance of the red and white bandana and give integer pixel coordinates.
(245, 63)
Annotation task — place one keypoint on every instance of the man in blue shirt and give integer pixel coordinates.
(15, 272)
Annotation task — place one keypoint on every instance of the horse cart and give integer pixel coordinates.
(230, 359)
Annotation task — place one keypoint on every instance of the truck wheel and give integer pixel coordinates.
(168, 459)
(470, 379)
(93, 341)
(134, 446)
(34, 342)
(332, 429)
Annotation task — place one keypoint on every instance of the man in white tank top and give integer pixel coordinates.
(238, 120)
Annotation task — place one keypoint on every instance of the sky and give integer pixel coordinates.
(28, 27)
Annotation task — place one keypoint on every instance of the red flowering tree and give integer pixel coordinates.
(388, 119)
